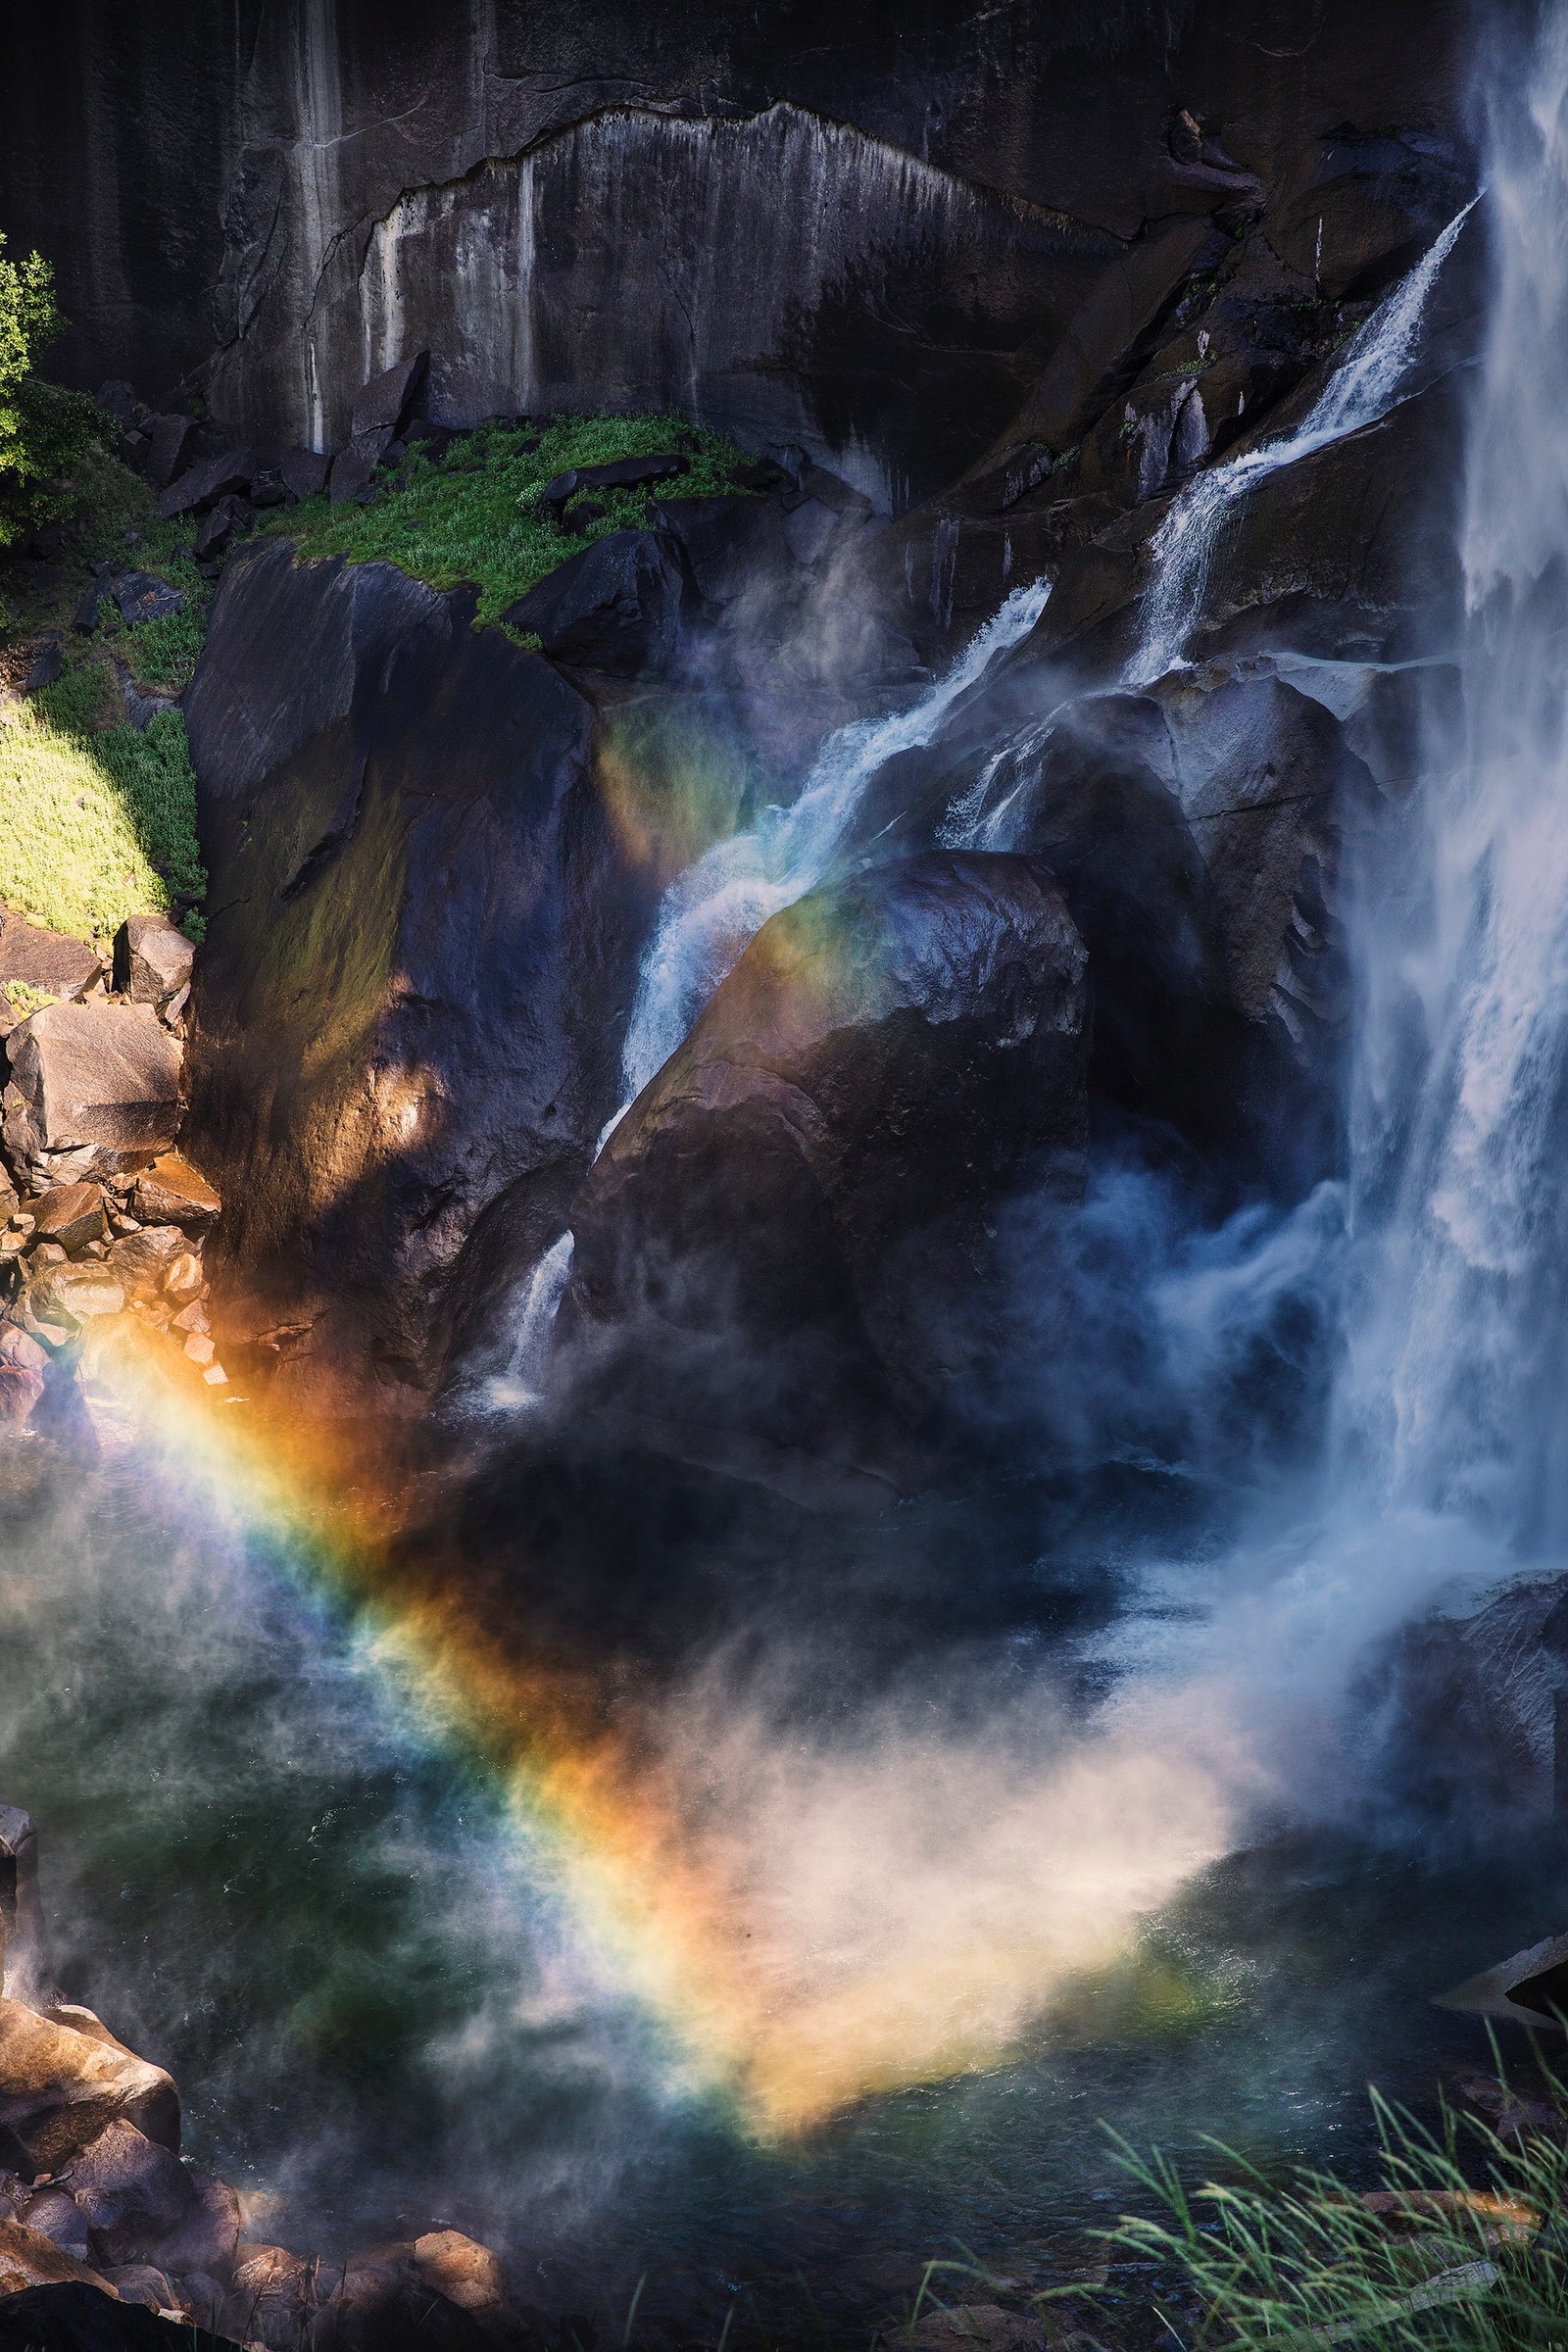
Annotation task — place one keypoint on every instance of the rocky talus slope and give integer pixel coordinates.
(97, 2204)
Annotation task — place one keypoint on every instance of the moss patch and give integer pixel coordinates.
(472, 513)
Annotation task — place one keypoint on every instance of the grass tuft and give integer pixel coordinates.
(473, 514)
(1463, 2249)
(95, 827)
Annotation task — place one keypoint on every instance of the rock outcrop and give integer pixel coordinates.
(421, 955)
(778, 1239)
(96, 2201)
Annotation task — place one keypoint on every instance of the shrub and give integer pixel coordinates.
(43, 428)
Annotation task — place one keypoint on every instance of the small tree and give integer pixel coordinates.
(43, 428)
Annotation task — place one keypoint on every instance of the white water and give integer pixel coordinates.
(1362, 389)
(1453, 1397)
(720, 903)
(522, 1382)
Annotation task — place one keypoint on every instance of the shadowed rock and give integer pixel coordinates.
(422, 953)
(614, 608)
(763, 1236)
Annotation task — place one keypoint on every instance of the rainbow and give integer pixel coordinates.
(756, 1997)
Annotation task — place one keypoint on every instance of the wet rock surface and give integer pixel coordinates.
(814, 1167)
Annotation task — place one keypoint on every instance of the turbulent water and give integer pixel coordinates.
(268, 1874)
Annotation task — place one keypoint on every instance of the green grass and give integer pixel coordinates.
(1462, 2265)
(98, 821)
(95, 826)
(472, 515)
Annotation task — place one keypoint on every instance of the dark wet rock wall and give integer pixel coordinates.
(868, 235)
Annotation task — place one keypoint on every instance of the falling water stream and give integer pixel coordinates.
(368, 1972)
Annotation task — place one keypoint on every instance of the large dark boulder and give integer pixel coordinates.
(422, 949)
(616, 607)
(779, 1240)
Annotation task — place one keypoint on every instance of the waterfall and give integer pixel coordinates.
(1362, 388)
(1454, 1393)
(522, 1382)
(719, 904)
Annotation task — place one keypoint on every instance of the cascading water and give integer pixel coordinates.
(911, 1855)
(1362, 388)
(722, 902)
(1452, 1399)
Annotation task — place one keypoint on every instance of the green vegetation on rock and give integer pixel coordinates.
(44, 429)
(95, 826)
(472, 513)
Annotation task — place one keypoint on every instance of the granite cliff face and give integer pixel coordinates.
(869, 237)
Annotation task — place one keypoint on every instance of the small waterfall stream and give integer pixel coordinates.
(1363, 387)
(719, 904)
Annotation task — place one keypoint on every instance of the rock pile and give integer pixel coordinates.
(95, 2193)
(100, 1216)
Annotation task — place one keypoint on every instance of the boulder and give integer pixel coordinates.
(219, 525)
(141, 1262)
(618, 474)
(304, 471)
(153, 960)
(206, 2235)
(22, 1367)
(73, 1214)
(614, 608)
(728, 546)
(142, 596)
(57, 2216)
(118, 399)
(139, 2282)
(387, 401)
(171, 1193)
(78, 1293)
(761, 1240)
(1273, 795)
(59, 2089)
(428, 922)
(274, 2289)
(132, 2193)
(30, 2259)
(88, 607)
(384, 2303)
(171, 446)
(47, 668)
(468, 2274)
(203, 484)
(94, 1089)
(46, 961)
(351, 477)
